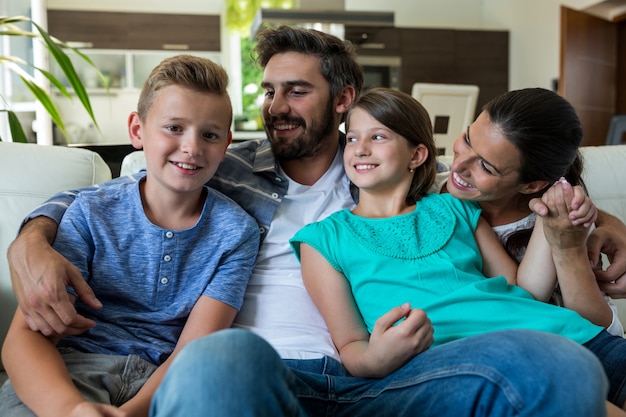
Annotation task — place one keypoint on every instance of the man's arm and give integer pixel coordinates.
(40, 275)
(609, 238)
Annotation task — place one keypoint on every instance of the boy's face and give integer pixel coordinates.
(184, 136)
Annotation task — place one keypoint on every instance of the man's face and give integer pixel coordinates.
(299, 114)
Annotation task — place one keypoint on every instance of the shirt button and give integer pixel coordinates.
(275, 195)
(169, 235)
(261, 230)
(167, 258)
(278, 179)
(164, 280)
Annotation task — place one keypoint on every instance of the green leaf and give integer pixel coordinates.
(68, 69)
(45, 101)
(15, 127)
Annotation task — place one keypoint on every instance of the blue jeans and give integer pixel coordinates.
(508, 373)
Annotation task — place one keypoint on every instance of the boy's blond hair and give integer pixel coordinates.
(195, 73)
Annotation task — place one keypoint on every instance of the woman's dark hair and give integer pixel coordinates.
(408, 118)
(546, 131)
(337, 57)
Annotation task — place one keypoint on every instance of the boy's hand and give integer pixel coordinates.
(391, 346)
(87, 409)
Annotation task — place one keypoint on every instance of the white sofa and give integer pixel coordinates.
(31, 173)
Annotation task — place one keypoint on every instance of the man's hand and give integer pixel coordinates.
(40, 276)
(609, 238)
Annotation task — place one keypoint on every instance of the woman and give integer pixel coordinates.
(521, 143)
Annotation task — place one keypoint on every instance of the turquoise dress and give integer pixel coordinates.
(430, 258)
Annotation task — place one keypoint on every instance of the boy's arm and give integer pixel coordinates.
(37, 371)
(388, 348)
(39, 274)
(207, 316)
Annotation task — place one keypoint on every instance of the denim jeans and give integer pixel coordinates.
(507, 373)
(109, 379)
(611, 351)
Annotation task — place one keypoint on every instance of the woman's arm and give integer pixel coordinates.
(207, 316)
(576, 279)
(388, 348)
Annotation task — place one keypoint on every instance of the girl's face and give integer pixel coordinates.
(377, 159)
(486, 164)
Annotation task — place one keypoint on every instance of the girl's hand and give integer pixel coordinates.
(561, 232)
(582, 209)
(391, 346)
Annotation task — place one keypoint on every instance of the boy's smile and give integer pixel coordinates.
(184, 136)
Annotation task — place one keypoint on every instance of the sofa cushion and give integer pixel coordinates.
(29, 174)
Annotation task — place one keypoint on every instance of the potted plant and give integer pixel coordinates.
(56, 48)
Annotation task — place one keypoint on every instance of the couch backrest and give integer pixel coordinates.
(604, 175)
(30, 174)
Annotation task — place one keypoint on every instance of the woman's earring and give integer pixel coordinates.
(411, 170)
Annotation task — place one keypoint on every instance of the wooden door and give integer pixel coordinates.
(588, 71)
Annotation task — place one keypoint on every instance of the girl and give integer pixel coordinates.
(434, 250)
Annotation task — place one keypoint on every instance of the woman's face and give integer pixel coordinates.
(486, 164)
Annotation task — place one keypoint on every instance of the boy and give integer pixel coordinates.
(158, 286)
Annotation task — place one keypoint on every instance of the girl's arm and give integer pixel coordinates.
(207, 316)
(39, 375)
(536, 273)
(496, 261)
(388, 348)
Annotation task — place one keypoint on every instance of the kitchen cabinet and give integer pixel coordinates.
(136, 31)
(122, 69)
(446, 56)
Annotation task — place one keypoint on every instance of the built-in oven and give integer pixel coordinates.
(380, 71)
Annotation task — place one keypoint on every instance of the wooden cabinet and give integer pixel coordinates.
(144, 31)
(448, 56)
(369, 40)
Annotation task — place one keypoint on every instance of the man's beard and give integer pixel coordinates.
(311, 142)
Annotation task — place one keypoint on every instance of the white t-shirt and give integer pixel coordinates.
(276, 305)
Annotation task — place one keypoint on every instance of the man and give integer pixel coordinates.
(295, 177)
